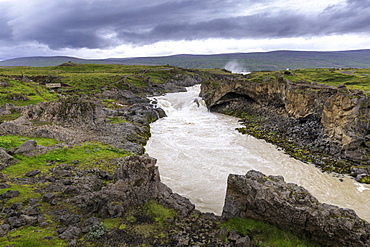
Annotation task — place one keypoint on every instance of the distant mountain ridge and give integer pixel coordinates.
(274, 60)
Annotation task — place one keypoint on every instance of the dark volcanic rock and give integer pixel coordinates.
(10, 194)
(32, 173)
(4, 186)
(135, 182)
(69, 219)
(27, 147)
(15, 222)
(5, 159)
(49, 197)
(4, 229)
(291, 207)
(32, 210)
(89, 223)
(70, 233)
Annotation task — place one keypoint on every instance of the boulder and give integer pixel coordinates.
(27, 147)
(136, 181)
(4, 229)
(15, 222)
(32, 173)
(243, 242)
(70, 233)
(5, 159)
(49, 198)
(4, 186)
(89, 223)
(32, 210)
(291, 207)
(69, 219)
(10, 194)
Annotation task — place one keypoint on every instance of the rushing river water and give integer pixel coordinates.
(197, 150)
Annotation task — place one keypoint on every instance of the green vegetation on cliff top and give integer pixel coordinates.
(350, 77)
(29, 85)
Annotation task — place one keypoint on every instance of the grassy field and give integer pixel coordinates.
(350, 77)
(28, 85)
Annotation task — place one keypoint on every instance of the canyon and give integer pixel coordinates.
(73, 197)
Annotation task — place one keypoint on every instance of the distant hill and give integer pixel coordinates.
(275, 60)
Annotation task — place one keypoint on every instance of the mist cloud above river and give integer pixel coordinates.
(236, 68)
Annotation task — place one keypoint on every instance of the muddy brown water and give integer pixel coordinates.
(196, 150)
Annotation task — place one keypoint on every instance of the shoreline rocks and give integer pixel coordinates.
(293, 208)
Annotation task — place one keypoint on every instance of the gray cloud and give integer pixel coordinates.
(102, 24)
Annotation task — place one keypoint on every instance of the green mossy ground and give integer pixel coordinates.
(350, 77)
(11, 141)
(83, 157)
(264, 234)
(81, 79)
(20, 93)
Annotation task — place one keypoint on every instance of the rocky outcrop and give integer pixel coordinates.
(336, 120)
(76, 120)
(291, 207)
(77, 200)
(136, 181)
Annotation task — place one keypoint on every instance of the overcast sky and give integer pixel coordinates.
(130, 28)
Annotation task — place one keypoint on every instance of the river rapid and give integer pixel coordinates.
(196, 150)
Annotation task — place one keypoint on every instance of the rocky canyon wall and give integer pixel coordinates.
(340, 116)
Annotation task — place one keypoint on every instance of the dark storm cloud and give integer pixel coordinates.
(354, 17)
(102, 24)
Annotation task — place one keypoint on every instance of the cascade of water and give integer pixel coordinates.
(197, 150)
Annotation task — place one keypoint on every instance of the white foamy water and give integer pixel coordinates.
(196, 151)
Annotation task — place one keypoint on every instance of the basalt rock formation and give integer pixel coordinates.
(333, 120)
(293, 208)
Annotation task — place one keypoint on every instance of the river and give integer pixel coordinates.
(196, 150)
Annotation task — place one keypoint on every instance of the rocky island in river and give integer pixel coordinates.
(74, 172)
